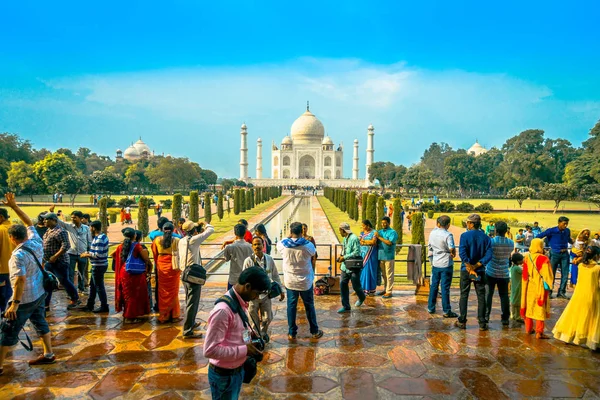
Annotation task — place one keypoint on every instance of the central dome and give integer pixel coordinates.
(307, 129)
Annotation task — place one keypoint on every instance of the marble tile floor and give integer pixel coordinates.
(387, 349)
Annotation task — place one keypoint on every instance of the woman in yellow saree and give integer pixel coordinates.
(537, 284)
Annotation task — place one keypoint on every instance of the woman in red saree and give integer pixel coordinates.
(131, 291)
(535, 293)
(165, 252)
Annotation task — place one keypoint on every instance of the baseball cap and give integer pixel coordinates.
(51, 215)
(346, 227)
(188, 226)
(474, 218)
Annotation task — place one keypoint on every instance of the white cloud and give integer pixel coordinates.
(409, 106)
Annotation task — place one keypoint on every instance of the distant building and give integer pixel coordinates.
(137, 151)
(477, 149)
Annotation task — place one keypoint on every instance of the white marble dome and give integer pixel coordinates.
(142, 147)
(287, 140)
(307, 129)
(477, 149)
(131, 153)
(327, 140)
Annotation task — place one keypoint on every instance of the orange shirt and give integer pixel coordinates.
(6, 247)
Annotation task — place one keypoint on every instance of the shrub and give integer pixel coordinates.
(167, 204)
(446, 207)
(380, 213)
(363, 205)
(236, 202)
(387, 196)
(430, 214)
(177, 205)
(143, 216)
(465, 207)
(418, 233)
(426, 206)
(194, 205)
(207, 207)
(372, 208)
(511, 221)
(220, 205)
(110, 202)
(396, 221)
(125, 202)
(484, 208)
(103, 214)
(113, 213)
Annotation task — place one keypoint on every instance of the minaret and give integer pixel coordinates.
(355, 160)
(259, 158)
(370, 151)
(244, 155)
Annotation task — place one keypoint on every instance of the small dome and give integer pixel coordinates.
(259, 140)
(131, 153)
(355, 141)
(244, 126)
(327, 140)
(287, 140)
(477, 149)
(371, 127)
(141, 146)
(119, 151)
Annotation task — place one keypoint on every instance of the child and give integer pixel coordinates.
(516, 277)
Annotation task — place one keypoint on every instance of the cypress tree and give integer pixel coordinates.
(343, 198)
(220, 205)
(380, 213)
(365, 200)
(372, 208)
(256, 196)
(396, 221)
(418, 232)
(194, 206)
(177, 204)
(249, 198)
(143, 216)
(236, 202)
(228, 207)
(355, 208)
(102, 203)
(207, 207)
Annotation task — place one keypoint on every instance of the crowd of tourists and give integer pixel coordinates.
(34, 256)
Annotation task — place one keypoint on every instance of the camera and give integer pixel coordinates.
(259, 343)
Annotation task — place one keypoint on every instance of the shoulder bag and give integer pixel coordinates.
(50, 281)
(194, 274)
(275, 289)
(352, 264)
(134, 265)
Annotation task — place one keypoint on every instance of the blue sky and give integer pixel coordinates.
(186, 75)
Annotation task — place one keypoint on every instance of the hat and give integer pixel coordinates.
(188, 226)
(474, 218)
(346, 227)
(51, 215)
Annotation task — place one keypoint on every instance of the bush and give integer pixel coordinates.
(446, 207)
(194, 206)
(220, 205)
(387, 196)
(143, 216)
(207, 207)
(465, 207)
(511, 221)
(113, 214)
(372, 209)
(103, 214)
(426, 206)
(396, 222)
(484, 208)
(430, 214)
(167, 204)
(125, 202)
(177, 206)
(110, 202)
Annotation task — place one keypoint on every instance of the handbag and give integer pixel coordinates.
(353, 264)
(50, 281)
(546, 286)
(134, 265)
(194, 274)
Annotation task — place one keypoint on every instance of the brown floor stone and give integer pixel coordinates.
(39, 394)
(443, 342)
(589, 379)
(358, 385)
(89, 355)
(167, 396)
(68, 336)
(337, 324)
(193, 359)
(146, 357)
(161, 337)
(516, 363)
(365, 360)
(350, 343)
(98, 321)
(298, 384)
(69, 379)
(543, 388)
(117, 382)
(418, 386)
(480, 385)
(301, 360)
(407, 361)
(396, 340)
(271, 357)
(168, 381)
(460, 361)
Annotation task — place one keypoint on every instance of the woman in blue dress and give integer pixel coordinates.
(368, 251)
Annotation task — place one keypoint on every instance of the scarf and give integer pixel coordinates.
(291, 243)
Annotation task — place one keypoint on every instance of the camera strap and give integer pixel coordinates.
(236, 307)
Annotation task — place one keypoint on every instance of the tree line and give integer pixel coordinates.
(527, 160)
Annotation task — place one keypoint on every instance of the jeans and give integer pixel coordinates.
(33, 312)
(502, 284)
(82, 268)
(346, 277)
(309, 305)
(465, 288)
(97, 287)
(225, 387)
(5, 291)
(562, 260)
(441, 276)
(192, 301)
(61, 270)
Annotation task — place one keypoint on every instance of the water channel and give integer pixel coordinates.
(298, 210)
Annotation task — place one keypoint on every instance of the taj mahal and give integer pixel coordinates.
(306, 157)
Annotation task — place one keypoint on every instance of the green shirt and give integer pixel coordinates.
(386, 252)
(351, 248)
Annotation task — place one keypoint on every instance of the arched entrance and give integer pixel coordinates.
(306, 167)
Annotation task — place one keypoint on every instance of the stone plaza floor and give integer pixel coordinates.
(386, 349)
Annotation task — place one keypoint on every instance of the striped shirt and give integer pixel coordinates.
(501, 250)
(99, 251)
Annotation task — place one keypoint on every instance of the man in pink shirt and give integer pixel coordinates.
(228, 340)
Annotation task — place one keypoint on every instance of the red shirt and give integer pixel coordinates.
(248, 237)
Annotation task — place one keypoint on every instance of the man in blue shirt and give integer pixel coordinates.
(536, 229)
(475, 252)
(558, 238)
(386, 244)
(497, 273)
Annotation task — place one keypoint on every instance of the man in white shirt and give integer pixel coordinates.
(298, 277)
(441, 254)
(261, 309)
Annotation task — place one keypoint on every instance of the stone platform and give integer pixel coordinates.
(384, 350)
